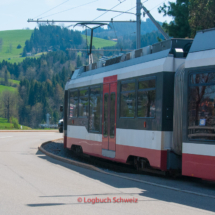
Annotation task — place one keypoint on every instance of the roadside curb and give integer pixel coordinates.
(76, 163)
(28, 131)
(91, 167)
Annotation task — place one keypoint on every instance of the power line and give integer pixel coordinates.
(157, 5)
(52, 9)
(127, 10)
(71, 8)
(109, 9)
(86, 38)
(116, 37)
(123, 13)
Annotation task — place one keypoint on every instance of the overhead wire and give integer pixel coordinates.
(71, 8)
(123, 12)
(51, 9)
(86, 39)
(116, 36)
(109, 9)
(120, 15)
(157, 5)
(126, 11)
(112, 22)
(114, 28)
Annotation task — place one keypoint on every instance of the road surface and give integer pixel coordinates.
(32, 183)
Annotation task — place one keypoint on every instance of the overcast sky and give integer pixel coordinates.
(14, 13)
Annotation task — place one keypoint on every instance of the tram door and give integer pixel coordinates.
(109, 116)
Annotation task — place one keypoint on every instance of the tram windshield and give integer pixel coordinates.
(201, 106)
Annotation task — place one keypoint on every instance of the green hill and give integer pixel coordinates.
(99, 43)
(11, 39)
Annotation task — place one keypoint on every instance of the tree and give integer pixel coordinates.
(79, 63)
(1, 44)
(202, 15)
(179, 28)
(6, 77)
(58, 97)
(36, 115)
(15, 122)
(9, 100)
(10, 48)
(55, 117)
(19, 46)
(24, 54)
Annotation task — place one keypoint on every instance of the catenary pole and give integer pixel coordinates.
(138, 14)
(156, 23)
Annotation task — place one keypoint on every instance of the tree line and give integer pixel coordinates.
(189, 16)
(52, 38)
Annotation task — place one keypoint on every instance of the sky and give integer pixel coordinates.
(15, 13)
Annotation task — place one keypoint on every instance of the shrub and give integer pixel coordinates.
(15, 123)
(19, 46)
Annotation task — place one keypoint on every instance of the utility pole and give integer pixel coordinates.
(138, 34)
(155, 23)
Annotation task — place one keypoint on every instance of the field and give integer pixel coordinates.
(3, 88)
(98, 42)
(13, 38)
(4, 124)
(11, 81)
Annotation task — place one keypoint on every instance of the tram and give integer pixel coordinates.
(153, 107)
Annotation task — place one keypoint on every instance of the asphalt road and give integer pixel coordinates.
(32, 183)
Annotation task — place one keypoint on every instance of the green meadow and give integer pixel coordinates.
(11, 81)
(12, 39)
(4, 88)
(99, 43)
(5, 125)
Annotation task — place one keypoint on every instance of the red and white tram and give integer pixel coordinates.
(153, 107)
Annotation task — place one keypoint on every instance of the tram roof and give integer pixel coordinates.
(203, 41)
(173, 47)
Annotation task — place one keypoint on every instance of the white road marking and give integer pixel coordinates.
(5, 137)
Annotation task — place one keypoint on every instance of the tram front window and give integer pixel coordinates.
(201, 106)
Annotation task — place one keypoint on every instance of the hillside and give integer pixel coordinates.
(98, 42)
(11, 39)
(122, 29)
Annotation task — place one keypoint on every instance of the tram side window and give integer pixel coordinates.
(95, 109)
(127, 100)
(146, 98)
(201, 106)
(73, 104)
(83, 102)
